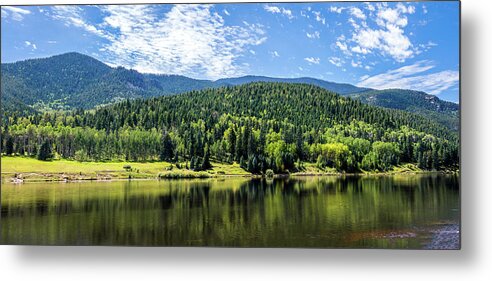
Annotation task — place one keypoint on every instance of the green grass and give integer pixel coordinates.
(229, 169)
(31, 165)
(32, 169)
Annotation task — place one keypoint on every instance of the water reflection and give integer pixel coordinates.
(367, 212)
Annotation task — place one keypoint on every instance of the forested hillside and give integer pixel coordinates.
(262, 126)
(74, 80)
(446, 113)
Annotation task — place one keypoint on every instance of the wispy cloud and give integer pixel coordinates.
(314, 35)
(14, 13)
(424, 9)
(319, 17)
(356, 63)
(275, 54)
(356, 12)
(189, 39)
(312, 60)
(413, 76)
(279, 10)
(336, 61)
(341, 45)
(74, 16)
(337, 10)
(31, 45)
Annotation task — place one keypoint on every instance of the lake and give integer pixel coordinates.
(400, 211)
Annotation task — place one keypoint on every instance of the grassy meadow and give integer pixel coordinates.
(31, 169)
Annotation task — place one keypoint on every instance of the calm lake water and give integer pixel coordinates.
(362, 212)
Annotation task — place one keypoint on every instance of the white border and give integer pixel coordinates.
(473, 262)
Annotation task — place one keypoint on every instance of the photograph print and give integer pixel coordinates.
(264, 125)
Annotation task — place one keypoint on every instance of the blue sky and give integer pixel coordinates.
(412, 45)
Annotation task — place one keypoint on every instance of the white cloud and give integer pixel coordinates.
(413, 77)
(385, 36)
(336, 61)
(275, 54)
(388, 16)
(359, 50)
(226, 12)
(356, 12)
(314, 35)
(319, 17)
(337, 10)
(389, 39)
(30, 45)
(278, 10)
(74, 16)
(272, 9)
(342, 46)
(189, 40)
(353, 23)
(312, 60)
(425, 47)
(288, 13)
(370, 7)
(15, 13)
(356, 64)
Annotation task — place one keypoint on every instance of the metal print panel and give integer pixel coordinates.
(311, 125)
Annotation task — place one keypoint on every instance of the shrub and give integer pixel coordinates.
(183, 175)
(269, 173)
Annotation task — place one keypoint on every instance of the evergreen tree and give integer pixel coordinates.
(9, 146)
(167, 150)
(44, 152)
(205, 165)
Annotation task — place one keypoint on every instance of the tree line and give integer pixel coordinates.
(261, 126)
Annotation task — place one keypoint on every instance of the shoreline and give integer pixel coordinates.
(65, 177)
(18, 170)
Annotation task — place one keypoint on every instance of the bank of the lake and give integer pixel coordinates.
(24, 169)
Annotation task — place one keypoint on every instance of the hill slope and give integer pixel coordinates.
(259, 125)
(75, 80)
(444, 112)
